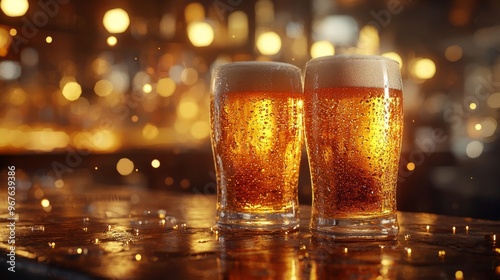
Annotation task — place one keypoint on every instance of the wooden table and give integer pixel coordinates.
(127, 233)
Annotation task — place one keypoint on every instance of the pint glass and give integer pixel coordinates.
(353, 114)
(256, 114)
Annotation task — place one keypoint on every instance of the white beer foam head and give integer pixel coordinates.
(254, 76)
(352, 71)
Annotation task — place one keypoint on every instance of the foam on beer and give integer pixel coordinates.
(257, 76)
(352, 71)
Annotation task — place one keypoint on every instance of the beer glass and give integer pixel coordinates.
(256, 133)
(353, 116)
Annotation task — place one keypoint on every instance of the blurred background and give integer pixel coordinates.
(95, 94)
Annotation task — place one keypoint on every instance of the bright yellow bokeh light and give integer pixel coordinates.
(72, 91)
(166, 87)
(394, 56)
(48, 39)
(45, 202)
(459, 275)
(103, 88)
(111, 41)
(478, 126)
(188, 109)
(322, 48)
(473, 106)
(13, 32)
(155, 163)
(14, 8)
(410, 166)
(147, 88)
(200, 34)
(125, 166)
(116, 20)
(424, 68)
(269, 43)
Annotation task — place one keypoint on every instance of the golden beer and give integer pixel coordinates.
(354, 126)
(256, 120)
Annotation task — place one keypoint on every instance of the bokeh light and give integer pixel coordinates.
(474, 149)
(116, 20)
(150, 131)
(322, 48)
(189, 76)
(187, 108)
(72, 91)
(200, 34)
(147, 88)
(424, 68)
(494, 100)
(410, 166)
(165, 87)
(9, 70)
(155, 163)
(103, 87)
(45, 202)
(125, 166)
(48, 39)
(5, 40)
(111, 41)
(194, 12)
(453, 53)
(269, 43)
(14, 8)
(200, 130)
(488, 127)
(237, 27)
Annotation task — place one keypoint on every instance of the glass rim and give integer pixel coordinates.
(355, 57)
(257, 65)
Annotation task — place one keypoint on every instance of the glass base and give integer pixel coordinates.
(259, 222)
(370, 229)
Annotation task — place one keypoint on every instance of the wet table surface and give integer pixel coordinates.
(127, 233)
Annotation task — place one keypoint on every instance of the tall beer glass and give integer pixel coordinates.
(353, 112)
(256, 132)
